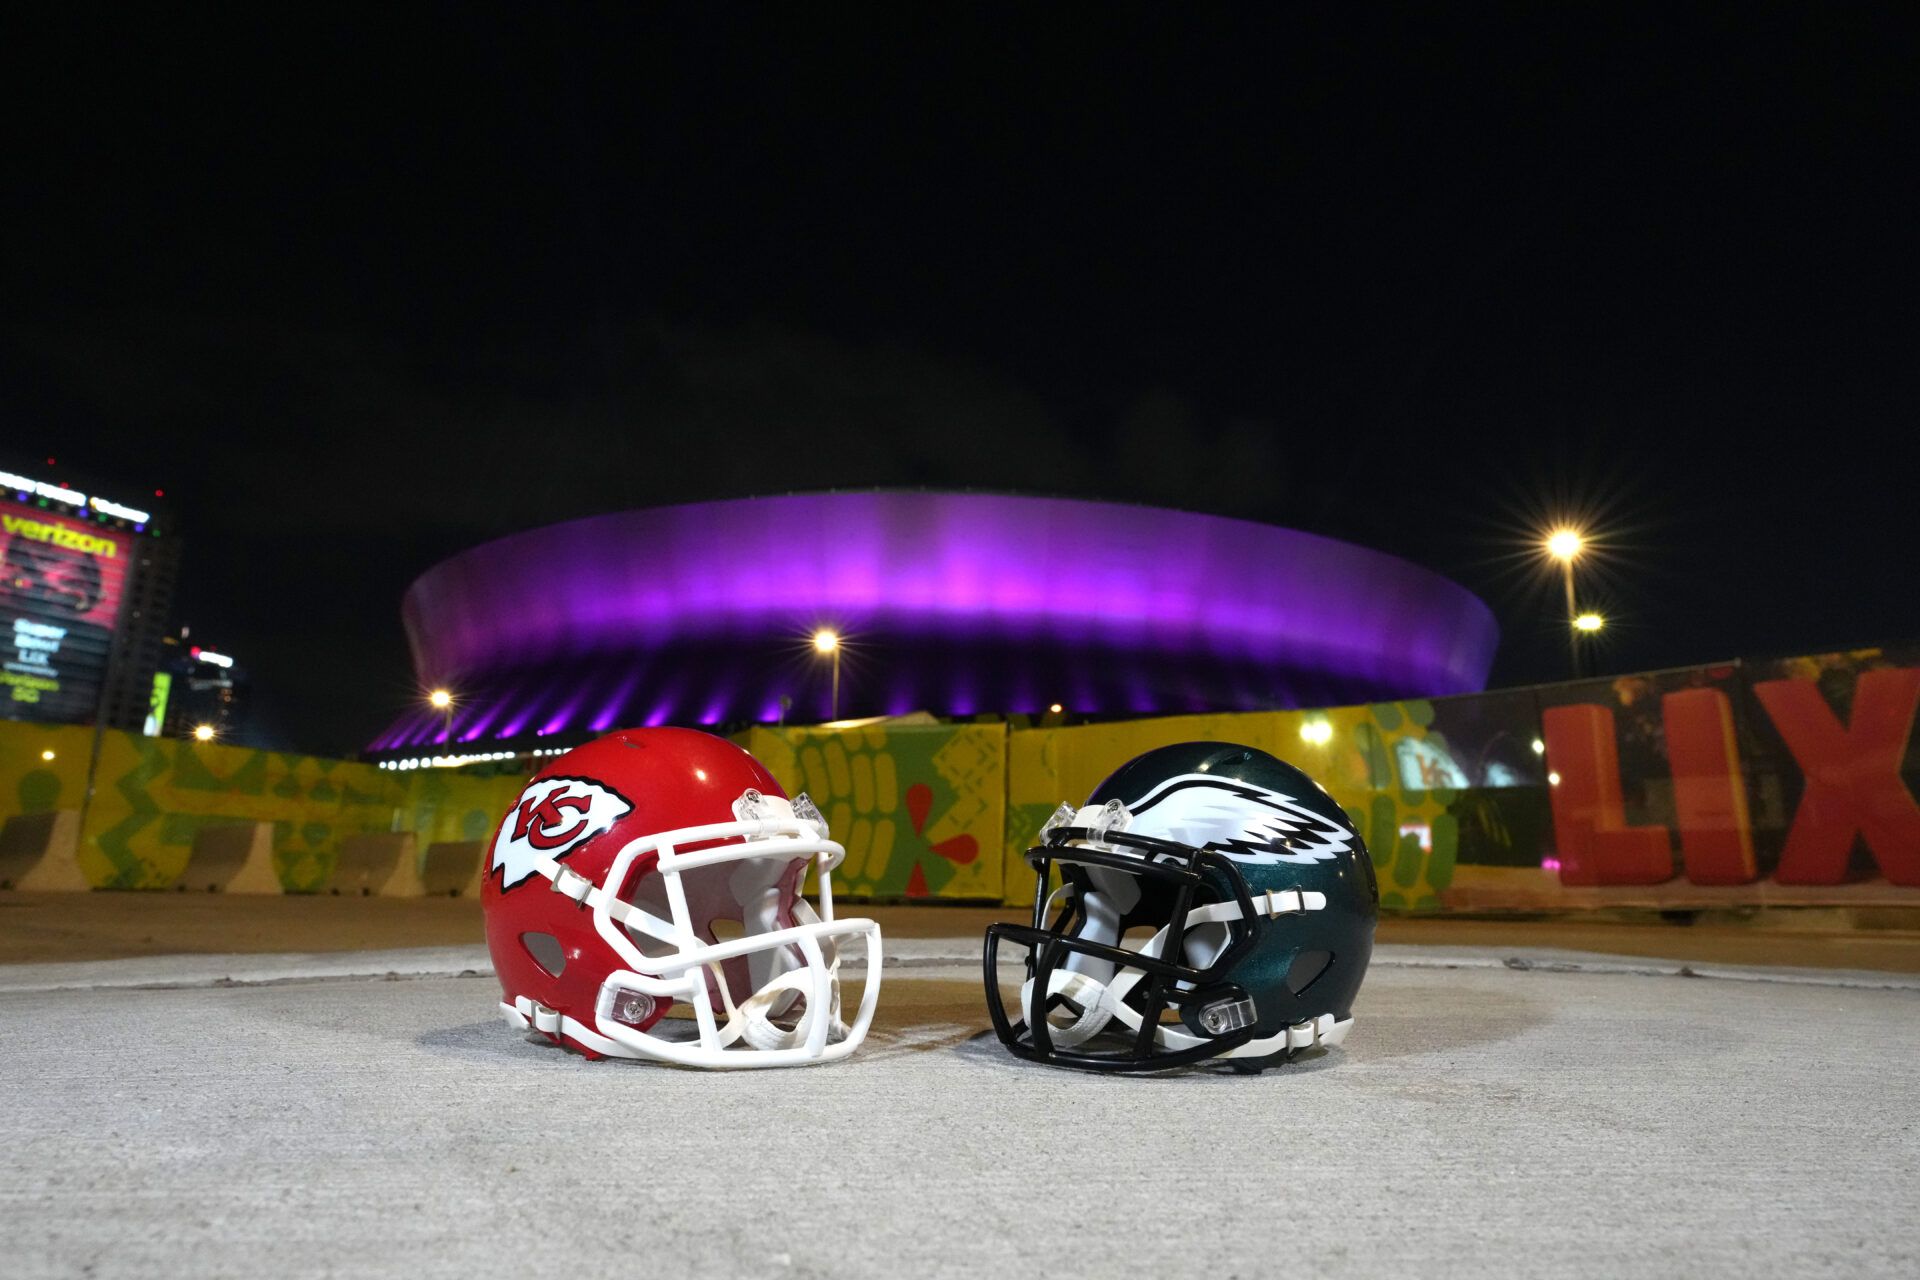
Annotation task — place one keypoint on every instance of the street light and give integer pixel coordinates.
(1565, 545)
(828, 642)
(203, 733)
(442, 701)
(1589, 622)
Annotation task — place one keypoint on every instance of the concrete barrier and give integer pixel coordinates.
(39, 851)
(232, 858)
(381, 862)
(452, 868)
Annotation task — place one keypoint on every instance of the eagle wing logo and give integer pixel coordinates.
(552, 818)
(1247, 822)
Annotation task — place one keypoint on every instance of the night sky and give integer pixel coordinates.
(362, 290)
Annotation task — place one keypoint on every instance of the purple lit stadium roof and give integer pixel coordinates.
(955, 603)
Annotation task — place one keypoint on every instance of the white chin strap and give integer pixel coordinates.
(751, 1022)
(1089, 993)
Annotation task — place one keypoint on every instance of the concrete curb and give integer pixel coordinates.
(227, 970)
(947, 955)
(1554, 960)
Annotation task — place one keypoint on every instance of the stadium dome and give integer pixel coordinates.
(953, 603)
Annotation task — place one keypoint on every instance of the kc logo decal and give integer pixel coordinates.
(552, 818)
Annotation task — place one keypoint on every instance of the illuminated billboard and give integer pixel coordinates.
(61, 580)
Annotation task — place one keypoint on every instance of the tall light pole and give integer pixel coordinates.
(1565, 546)
(828, 642)
(442, 701)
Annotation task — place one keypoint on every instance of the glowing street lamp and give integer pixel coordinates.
(203, 733)
(441, 700)
(827, 642)
(1565, 545)
(1589, 622)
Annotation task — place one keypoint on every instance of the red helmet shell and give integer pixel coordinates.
(581, 810)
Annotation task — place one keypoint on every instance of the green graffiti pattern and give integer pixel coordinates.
(935, 810)
(1410, 831)
(153, 796)
(129, 869)
(918, 808)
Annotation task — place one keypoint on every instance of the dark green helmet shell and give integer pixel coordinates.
(1213, 902)
(1281, 828)
(1282, 831)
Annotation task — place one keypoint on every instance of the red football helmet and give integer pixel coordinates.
(655, 868)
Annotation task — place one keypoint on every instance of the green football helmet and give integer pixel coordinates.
(1252, 902)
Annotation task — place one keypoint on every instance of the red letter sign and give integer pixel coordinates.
(1853, 776)
(1596, 845)
(1709, 796)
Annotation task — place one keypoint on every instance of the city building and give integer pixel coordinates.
(86, 581)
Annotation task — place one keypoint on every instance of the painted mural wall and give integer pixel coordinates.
(154, 797)
(1351, 751)
(1784, 782)
(1787, 782)
(920, 808)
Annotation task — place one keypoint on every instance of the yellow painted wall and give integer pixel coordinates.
(31, 784)
(1049, 766)
(943, 811)
(920, 808)
(152, 794)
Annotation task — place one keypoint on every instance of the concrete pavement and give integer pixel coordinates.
(1493, 1114)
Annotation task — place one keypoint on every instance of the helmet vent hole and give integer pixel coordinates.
(1306, 969)
(546, 952)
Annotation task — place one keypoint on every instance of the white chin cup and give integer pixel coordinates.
(754, 1016)
(1089, 993)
